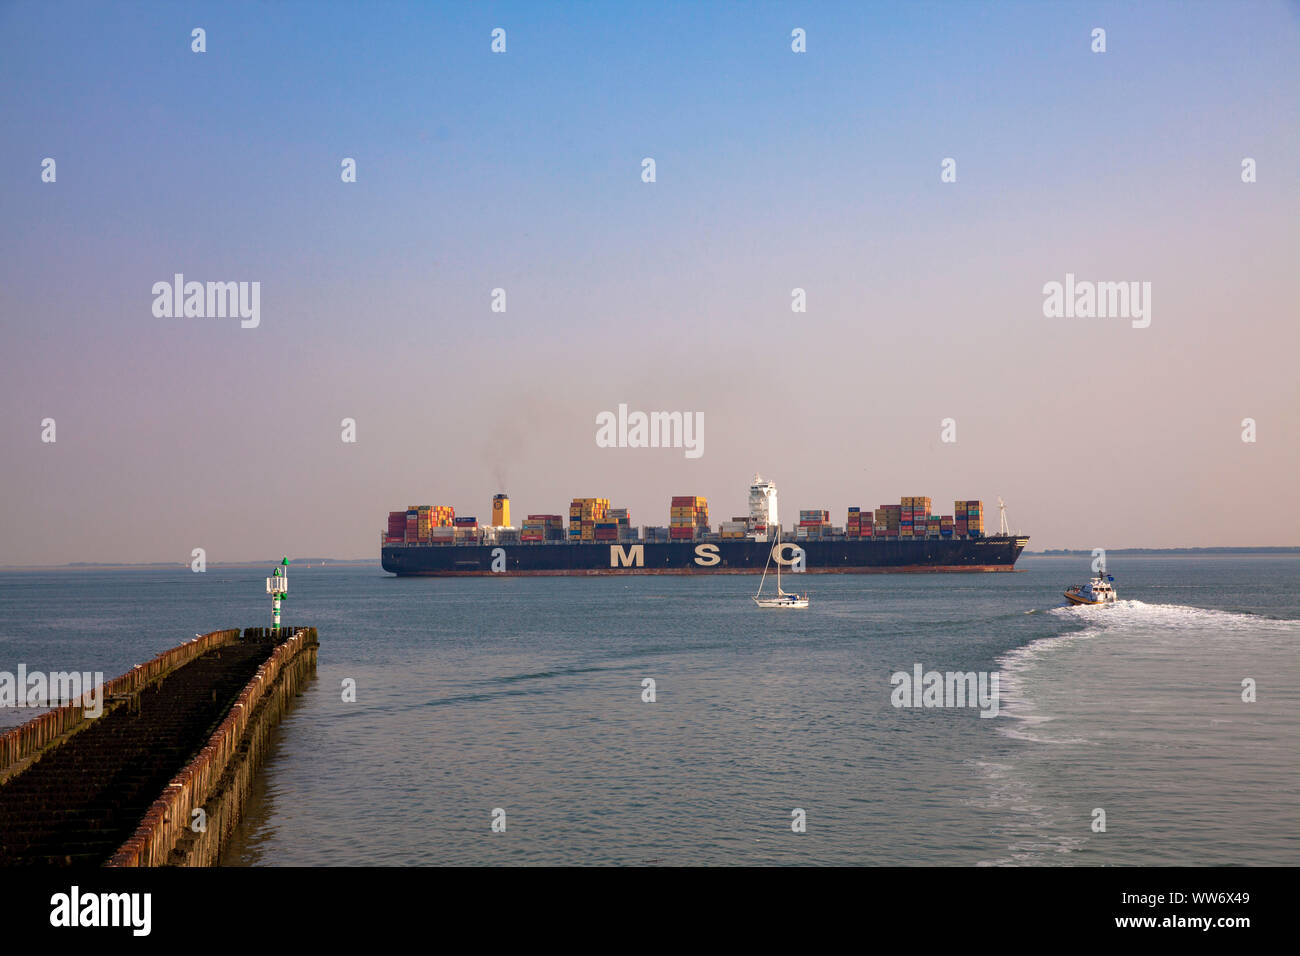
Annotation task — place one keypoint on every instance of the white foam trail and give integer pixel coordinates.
(1123, 614)
(1008, 792)
(1133, 636)
(1123, 619)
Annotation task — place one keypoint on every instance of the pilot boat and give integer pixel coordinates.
(1096, 591)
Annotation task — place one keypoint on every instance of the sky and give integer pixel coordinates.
(523, 171)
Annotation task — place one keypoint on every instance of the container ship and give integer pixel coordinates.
(433, 540)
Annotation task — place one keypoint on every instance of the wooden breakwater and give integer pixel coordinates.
(181, 732)
(217, 781)
(20, 745)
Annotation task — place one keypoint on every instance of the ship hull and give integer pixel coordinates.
(835, 556)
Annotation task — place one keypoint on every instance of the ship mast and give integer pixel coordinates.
(779, 592)
(1003, 530)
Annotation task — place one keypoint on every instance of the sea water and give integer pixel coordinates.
(1125, 734)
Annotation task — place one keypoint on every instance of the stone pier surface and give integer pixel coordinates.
(182, 733)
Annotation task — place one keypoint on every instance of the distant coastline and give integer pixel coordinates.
(1164, 552)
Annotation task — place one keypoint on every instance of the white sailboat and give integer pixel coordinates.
(781, 598)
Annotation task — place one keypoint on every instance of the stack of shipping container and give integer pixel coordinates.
(396, 533)
(911, 518)
(622, 520)
(583, 515)
(813, 524)
(542, 528)
(889, 519)
(970, 518)
(737, 527)
(860, 524)
(434, 520)
(687, 517)
(417, 524)
(914, 517)
(592, 519)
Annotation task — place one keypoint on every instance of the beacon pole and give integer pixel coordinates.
(277, 586)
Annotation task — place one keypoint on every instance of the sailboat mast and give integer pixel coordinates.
(778, 563)
(766, 564)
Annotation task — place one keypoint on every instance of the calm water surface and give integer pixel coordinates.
(525, 694)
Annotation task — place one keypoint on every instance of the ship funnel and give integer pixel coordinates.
(501, 511)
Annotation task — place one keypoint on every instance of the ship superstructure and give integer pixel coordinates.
(763, 513)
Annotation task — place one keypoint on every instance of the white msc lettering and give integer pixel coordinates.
(796, 561)
(706, 555)
(620, 557)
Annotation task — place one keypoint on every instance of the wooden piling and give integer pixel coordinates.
(69, 782)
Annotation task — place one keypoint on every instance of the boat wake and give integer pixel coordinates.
(1107, 695)
(1132, 624)
(1128, 614)
(1035, 832)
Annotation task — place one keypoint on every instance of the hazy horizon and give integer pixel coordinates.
(522, 171)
